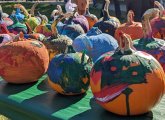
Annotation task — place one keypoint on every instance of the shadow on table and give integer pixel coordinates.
(98, 113)
(10, 89)
(51, 101)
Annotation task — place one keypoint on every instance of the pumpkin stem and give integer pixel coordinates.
(43, 20)
(1, 8)
(106, 10)
(33, 8)
(126, 44)
(83, 56)
(59, 9)
(87, 12)
(147, 30)
(54, 24)
(161, 8)
(30, 31)
(19, 37)
(23, 9)
(130, 17)
(1, 19)
(71, 17)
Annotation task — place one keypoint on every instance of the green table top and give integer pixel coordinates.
(37, 101)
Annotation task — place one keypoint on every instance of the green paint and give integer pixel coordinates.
(148, 44)
(29, 93)
(69, 71)
(121, 76)
(75, 109)
(36, 44)
(16, 24)
(1, 79)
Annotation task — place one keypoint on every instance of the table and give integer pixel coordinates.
(37, 101)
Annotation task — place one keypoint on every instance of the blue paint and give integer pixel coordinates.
(95, 44)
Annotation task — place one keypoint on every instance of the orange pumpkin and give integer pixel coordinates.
(132, 28)
(23, 61)
(127, 82)
(82, 6)
(92, 19)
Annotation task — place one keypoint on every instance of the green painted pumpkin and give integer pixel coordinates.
(69, 73)
(149, 44)
(127, 82)
(29, 18)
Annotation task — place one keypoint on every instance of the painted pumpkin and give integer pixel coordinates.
(44, 28)
(95, 43)
(4, 20)
(158, 23)
(17, 27)
(36, 36)
(148, 43)
(92, 19)
(134, 29)
(23, 61)
(82, 6)
(70, 29)
(19, 15)
(4, 38)
(69, 73)
(31, 21)
(127, 82)
(33, 35)
(81, 20)
(5, 35)
(57, 44)
(108, 24)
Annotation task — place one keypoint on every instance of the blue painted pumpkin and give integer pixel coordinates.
(19, 15)
(69, 28)
(69, 73)
(108, 24)
(17, 27)
(72, 30)
(95, 43)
